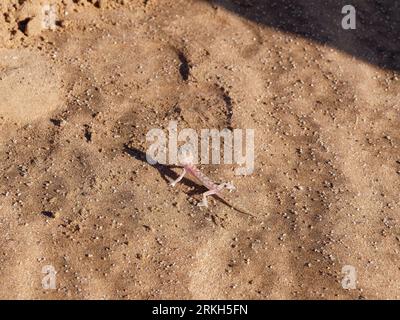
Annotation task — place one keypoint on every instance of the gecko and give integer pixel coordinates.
(186, 161)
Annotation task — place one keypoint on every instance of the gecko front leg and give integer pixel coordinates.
(204, 202)
(173, 183)
(225, 185)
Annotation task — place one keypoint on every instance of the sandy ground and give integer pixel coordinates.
(76, 194)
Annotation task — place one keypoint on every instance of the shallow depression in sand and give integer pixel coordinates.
(29, 86)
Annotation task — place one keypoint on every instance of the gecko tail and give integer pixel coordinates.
(242, 211)
(245, 212)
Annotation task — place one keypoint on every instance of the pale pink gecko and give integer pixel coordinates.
(185, 156)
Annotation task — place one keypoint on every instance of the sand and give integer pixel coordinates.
(76, 194)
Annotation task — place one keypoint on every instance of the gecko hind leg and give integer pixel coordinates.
(173, 183)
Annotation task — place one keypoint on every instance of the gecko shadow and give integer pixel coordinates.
(375, 40)
(165, 171)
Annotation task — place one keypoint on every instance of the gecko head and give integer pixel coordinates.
(186, 155)
(229, 186)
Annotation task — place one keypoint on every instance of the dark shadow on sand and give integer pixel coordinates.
(165, 171)
(375, 40)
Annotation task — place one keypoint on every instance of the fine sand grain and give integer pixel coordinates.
(76, 194)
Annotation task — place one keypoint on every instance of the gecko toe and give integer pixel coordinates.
(202, 204)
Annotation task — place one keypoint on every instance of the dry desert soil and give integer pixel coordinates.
(76, 193)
